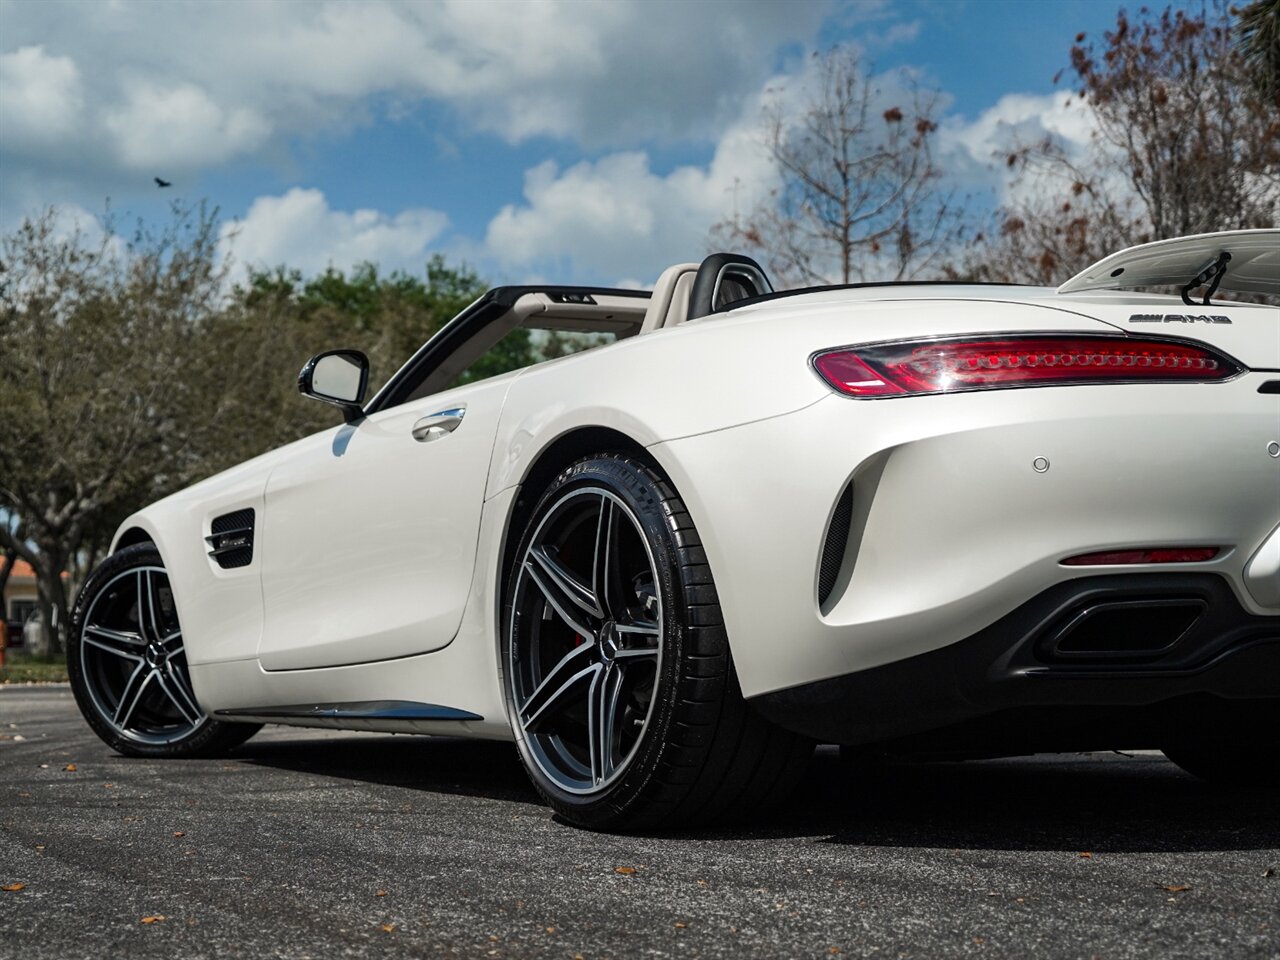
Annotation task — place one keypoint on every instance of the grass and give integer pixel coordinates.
(20, 668)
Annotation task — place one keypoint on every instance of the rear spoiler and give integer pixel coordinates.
(1242, 261)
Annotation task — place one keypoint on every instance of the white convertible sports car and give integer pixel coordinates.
(908, 518)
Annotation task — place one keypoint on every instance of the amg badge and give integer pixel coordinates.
(1176, 318)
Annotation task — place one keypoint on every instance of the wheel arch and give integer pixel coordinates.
(573, 444)
(132, 536)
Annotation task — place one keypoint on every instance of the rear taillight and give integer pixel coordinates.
(945, 366)
(1149, 555)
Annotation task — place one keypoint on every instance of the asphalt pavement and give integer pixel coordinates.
(316, 844)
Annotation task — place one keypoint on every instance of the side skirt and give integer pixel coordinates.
(388, 716)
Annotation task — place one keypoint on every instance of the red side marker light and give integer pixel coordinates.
(1154, 555)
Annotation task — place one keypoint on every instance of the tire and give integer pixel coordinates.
(611, 613)
(1231, 745)
(128, 667)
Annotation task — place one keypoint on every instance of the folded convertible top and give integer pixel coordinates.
(1252, 264)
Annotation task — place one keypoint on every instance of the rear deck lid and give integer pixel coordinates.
(1248, 261)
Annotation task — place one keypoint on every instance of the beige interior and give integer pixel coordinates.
(669, 302)
(667, 306)
(621, 316)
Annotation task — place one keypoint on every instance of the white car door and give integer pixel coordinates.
(369, 536)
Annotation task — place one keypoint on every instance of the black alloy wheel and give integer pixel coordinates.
(619, 684)
(127, 662)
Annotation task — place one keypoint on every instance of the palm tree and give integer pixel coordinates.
(1258, 28)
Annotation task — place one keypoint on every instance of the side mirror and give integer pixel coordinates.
(339, 377)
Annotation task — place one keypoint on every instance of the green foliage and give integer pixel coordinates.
(20, 668)
(273, 323)
(96, 337)
(1258, 33)
(129, 370)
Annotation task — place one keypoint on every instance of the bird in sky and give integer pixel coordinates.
(163, 183)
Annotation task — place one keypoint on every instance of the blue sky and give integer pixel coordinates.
(570, 141)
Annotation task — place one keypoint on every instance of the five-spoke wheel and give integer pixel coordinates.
(128, 665)
(133, 661)
(591, 624)
(618, 680)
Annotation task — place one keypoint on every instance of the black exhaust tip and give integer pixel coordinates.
(1133, 630)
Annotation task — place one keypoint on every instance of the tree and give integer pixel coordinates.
(275, 321)
(858, 193)
(1182, 143)
(1258, 31)
(131, 370)
(95, 337)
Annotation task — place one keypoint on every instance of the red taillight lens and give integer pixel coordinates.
(944, 366)
(1155, 555)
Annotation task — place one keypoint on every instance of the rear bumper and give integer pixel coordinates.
(1047, 679)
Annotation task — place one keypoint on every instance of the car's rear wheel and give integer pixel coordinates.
(127, 662)
(618, 678)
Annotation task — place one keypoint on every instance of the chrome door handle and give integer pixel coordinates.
(437, 425)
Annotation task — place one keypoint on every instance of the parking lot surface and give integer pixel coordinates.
(317, 844)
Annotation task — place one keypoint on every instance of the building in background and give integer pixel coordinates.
(19, 600)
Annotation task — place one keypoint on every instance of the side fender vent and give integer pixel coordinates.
(231, 539)
(834, 548)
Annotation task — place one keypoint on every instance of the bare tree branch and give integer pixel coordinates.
(858, 195)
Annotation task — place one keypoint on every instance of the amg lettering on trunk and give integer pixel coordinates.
(1176, 318)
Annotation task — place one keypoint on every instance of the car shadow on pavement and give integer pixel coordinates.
(1073, 802)
(481, 768)
(1069, 802)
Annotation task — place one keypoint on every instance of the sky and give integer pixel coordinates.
(568, 141)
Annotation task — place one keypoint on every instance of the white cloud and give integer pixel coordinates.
(895, 34)
(180, 128)
(978, 149)
(615, 217)
(301, 230)
(40, 99)
(189, 86)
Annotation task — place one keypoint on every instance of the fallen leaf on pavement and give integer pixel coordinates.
(70, 768)
(1180, 888)
(388, 928)
(625, 871)
(155, 918)
(13, 887)
(1086, 855)
(178, 833)
(381, 893)
(681, 925)
(551, 929)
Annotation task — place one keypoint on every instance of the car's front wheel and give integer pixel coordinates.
(127, 662)
(618, 678)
